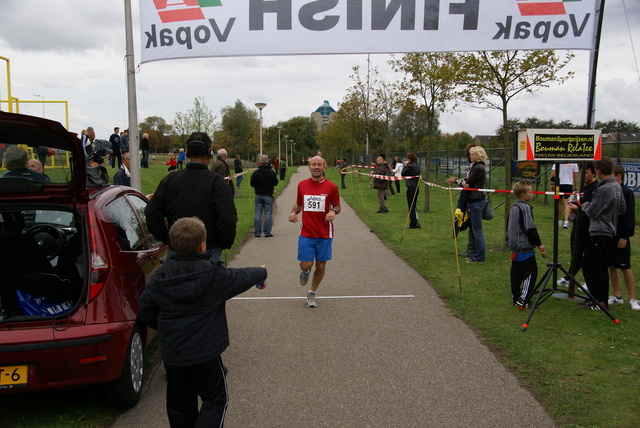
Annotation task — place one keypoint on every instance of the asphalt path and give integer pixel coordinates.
(380, 350)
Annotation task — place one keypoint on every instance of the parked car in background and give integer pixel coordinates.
(74, 261)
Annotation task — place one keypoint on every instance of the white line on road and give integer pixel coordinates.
(398, 296)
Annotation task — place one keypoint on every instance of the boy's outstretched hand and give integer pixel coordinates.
(262, 285)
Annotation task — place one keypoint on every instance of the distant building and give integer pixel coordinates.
(323, 115)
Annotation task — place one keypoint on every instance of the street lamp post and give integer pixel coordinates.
(260, 106)
(279, 154)
(41, 96)
(286, 150)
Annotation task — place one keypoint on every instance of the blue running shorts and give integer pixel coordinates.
(310, 249)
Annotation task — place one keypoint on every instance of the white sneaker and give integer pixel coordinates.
(634, 305)
(566, 225)
(563, 281)
(613, 300)
(560, 223)
(311, 300)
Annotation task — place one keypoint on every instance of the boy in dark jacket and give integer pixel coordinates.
(522, 237)
(621, 251)
(185, 302)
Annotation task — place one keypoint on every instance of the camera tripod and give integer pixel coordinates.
(545, 292)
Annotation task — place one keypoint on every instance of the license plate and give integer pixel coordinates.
(14, 376)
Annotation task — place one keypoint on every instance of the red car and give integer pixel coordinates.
(74, 260)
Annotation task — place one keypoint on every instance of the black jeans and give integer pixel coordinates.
(185, 384)
(412, 201)
(595, 266)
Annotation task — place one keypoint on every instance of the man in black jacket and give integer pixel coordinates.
(263, 180)
(195, 191)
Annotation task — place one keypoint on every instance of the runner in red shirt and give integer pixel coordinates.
(319, 201)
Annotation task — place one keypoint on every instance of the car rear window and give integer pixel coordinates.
(35, 163)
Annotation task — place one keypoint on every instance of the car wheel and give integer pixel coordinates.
(125, 391)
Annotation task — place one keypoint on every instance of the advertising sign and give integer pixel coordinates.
(632, 176)
(172, 29)
(559, 145)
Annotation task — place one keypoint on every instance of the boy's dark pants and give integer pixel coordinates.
(524, 272)
(185, 384)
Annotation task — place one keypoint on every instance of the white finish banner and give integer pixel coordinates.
(173, 29)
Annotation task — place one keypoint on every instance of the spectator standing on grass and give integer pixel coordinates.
(237, 168)
(477, 201)
(580, 230)
(603, 210)
(283, 169)
(621, 251)
(114, 139)
(181, 158)
(522, 238)
(342, 165)
(263, 180)
(144, 147)
(124, 142)
(471, 241)
(567, 179)
(195, 191)
(185, 302)
(397, 172)
(412, 169)
(381, 185)
(319, 201)
(220, 166)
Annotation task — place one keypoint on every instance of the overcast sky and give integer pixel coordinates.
(74, 50)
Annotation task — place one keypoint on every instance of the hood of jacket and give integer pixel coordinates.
(181, 277)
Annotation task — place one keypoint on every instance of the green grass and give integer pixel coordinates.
(582, 367)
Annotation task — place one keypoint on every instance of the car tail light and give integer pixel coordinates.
(99, 270)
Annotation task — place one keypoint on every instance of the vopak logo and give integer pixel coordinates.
(546, 27)
(186, 10)
(543, 7)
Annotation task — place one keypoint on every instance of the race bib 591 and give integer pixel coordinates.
(314, 203)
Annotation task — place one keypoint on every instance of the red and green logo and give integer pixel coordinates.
(185, 10)
(543, 7)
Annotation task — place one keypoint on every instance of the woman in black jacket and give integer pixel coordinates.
(477, 200)
(412, 168)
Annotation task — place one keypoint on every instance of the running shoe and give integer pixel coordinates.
(304, 277)
(563, 281)
(634, 305)
(311, 300)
